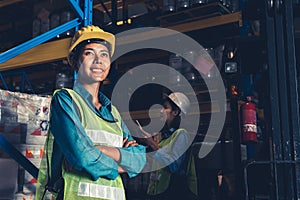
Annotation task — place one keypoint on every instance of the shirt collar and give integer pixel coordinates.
(166, 134)
(105, 101)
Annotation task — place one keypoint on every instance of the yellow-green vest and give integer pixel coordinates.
(160, 179)
(191, 175)
(77, 184)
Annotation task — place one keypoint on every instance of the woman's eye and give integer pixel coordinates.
(87, 53)
(105, 55)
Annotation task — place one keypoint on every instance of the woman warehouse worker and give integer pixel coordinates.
(88, 144)
(171, 181)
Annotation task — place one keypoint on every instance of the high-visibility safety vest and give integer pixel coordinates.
(78, 184)
(191, 176)
(160, 179)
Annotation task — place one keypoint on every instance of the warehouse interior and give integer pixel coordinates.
(255, 47)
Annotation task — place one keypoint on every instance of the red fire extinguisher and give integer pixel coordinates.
(249, 126)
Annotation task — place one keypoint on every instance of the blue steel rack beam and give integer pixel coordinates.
(24, 80)
(76, 7)
(37, 40)
(88, 12)
(17, 156)
(84, 18)
(3, 82)
(43, 53)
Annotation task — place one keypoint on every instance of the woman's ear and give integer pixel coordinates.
(176, 112)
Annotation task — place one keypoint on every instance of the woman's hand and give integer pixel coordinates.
(152, 143)
(149, 139)
(131, 143)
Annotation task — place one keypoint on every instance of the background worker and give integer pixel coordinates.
(88, 144)
(170, 182)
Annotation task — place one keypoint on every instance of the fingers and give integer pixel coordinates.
(133, 143)
(150, 142)
(125, 140)
(154, 147)
(121, 170)
(130, 143)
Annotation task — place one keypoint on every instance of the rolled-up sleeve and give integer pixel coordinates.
(133, 158)
(72, 140)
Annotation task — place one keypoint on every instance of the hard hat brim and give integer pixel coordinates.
(182, 104)
(110, 38)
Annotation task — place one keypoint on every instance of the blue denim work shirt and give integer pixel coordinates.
(72, 143)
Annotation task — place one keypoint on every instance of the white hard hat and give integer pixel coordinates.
(180, 100)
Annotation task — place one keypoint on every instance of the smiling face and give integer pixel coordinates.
(94, 64)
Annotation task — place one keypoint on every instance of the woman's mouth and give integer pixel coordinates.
(97, 70)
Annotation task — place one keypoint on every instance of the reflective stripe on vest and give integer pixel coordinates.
(100, 132)
(100, 191)
(95, 127)
(104, 137)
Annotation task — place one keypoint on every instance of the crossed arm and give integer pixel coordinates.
(115, 154)
(79, 151)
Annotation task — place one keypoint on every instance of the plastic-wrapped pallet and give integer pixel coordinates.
(26, 182)
(32, 110)
(21, 196)
(24, 123)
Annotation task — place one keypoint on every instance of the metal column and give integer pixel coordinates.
(283, 110)
(293, 94)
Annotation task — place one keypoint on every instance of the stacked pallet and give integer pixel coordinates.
(24, 123)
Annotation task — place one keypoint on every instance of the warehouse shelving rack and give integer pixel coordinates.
(282, 106)
(36, 51)
(84, 17)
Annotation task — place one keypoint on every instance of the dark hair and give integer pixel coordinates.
(74, 55)
(176, 122)
(173, 105)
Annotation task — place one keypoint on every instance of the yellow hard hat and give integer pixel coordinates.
(91, 32)
(180, 100)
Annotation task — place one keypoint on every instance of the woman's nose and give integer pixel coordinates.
(97, 59)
